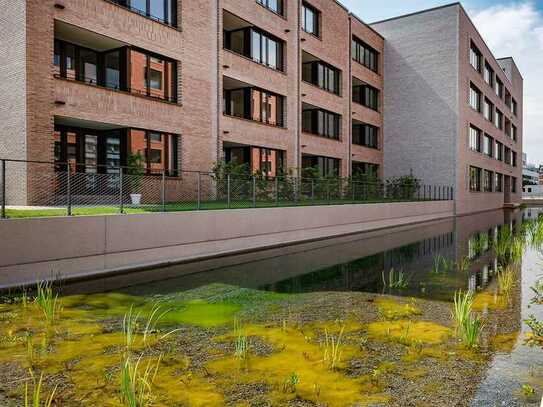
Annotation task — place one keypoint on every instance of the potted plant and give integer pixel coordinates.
(136, 170)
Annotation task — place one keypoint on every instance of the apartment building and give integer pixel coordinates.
(278, 85)
(453, 112)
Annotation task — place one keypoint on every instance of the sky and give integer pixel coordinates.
(510, 28)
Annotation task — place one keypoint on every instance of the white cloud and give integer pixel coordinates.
(516, 30)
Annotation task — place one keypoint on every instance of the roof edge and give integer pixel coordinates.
(457, 3)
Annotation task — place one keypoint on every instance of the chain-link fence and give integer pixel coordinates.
(42, 188)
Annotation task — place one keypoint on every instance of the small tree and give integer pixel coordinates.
(136, 170)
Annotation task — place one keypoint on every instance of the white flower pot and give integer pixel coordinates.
(136, 199)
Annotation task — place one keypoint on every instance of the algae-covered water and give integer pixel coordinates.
(363, 320)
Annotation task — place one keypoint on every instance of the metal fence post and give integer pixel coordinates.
(199, 202)
(312, 191)
(228, 191)
(276, 191)
(69, 191)
(3, 189)
(254, 191)
(163, 191)
(353, 190)
(328, 191)
(121, 203)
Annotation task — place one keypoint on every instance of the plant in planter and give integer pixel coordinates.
(135, 171)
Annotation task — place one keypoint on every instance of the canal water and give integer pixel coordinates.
(385, 296)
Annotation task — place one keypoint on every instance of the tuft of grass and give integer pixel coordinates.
(241, 343)
(47, 301)
(506, 281)
(437, 262)
(396, 280)
(136, 385)
(468, 326)
(35, 398)
(333, 348)
(289, 386)
(463, 265)
(130, 324)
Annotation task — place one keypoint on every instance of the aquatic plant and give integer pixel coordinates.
(437, 262)
(136, 387)
(472, 328)
(47, 301)
(241, 343)
(527, 390)
(502, 245)
(130, 322)
(463, 265)
(30, 352)
(517, 249)
(463, 303)
(396, 280)
(534, 338)
(538, 290)
(289, 386)
(506, 281)
(404, 337)
(333, 348)
(35, 399)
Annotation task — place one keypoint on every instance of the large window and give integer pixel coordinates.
(475, 57)
(258, 45)
(325, 166)
(514, 185)
(488, 110)
(489, 146)
(488, 178)
(322, 75)
(475, 179)
(499, 151)
(514, 134)
(365, 169)
(164, 11)
(254, 104)
(321, 123)
(310, 19)
(489, 75)
(498, 87)
(366, 135)
(126, 69)
(159, 150)
(475, 98)
(366, 95)
(498, 119)
(513, 158)
(365, 55)
(514, 106)
(274, 5)
(475, 139)
(259, 160)
(498, 182)
(507, 155)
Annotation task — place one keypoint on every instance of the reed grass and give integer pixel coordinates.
(396, 279)
(241, 343)
(463, 265)
(136, 386)
(506, 279)
(437, 262)
(333, 349)
(47, 301)
(472, 329)
(468, 326)
(34, 399)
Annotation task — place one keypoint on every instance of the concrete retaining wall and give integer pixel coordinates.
(83, 246)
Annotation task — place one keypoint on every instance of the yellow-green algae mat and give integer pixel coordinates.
(88, 353)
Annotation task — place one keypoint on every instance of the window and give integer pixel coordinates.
(498, 119)
(507, 155)
(475, 57)
(488, 178)
(474, 179)
(488, 145)
(514, 185)
(310, 19)
(366, 135)
(498, 88)
(499, 151)
(489, 75)
(475, 139)
(366, 95)
(327, 167)
(160, 150)
(475, 98)
(254, 104)
(365, 169)
(274, 5)
(514, 106)
(513, 158)
(322, 123)
(514, 132)
(158, 76)
(256, 44)
(365, 55)
(498, 182)
(161, 10)
(322, 75)
(488, 110)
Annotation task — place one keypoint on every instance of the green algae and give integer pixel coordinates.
(409, 332)
(391, 309)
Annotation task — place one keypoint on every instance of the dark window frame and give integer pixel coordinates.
(475, 175)
(281, 6)
(172, 22)
(364, 54)
(248, 105)
(368, 136)
(316, 29)
(318, 116)
(315, 76)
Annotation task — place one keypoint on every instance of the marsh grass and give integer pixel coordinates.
(463, 265)
(47, 301)
(241, 342)
(136, 383)
(333, 348)
(436, 265)
(506, 279)
(289, 385)
(396, 279)
(468, 326)
(34, 399)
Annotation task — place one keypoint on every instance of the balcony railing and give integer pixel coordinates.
(68, 189)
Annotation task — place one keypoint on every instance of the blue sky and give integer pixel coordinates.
(510, 28)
